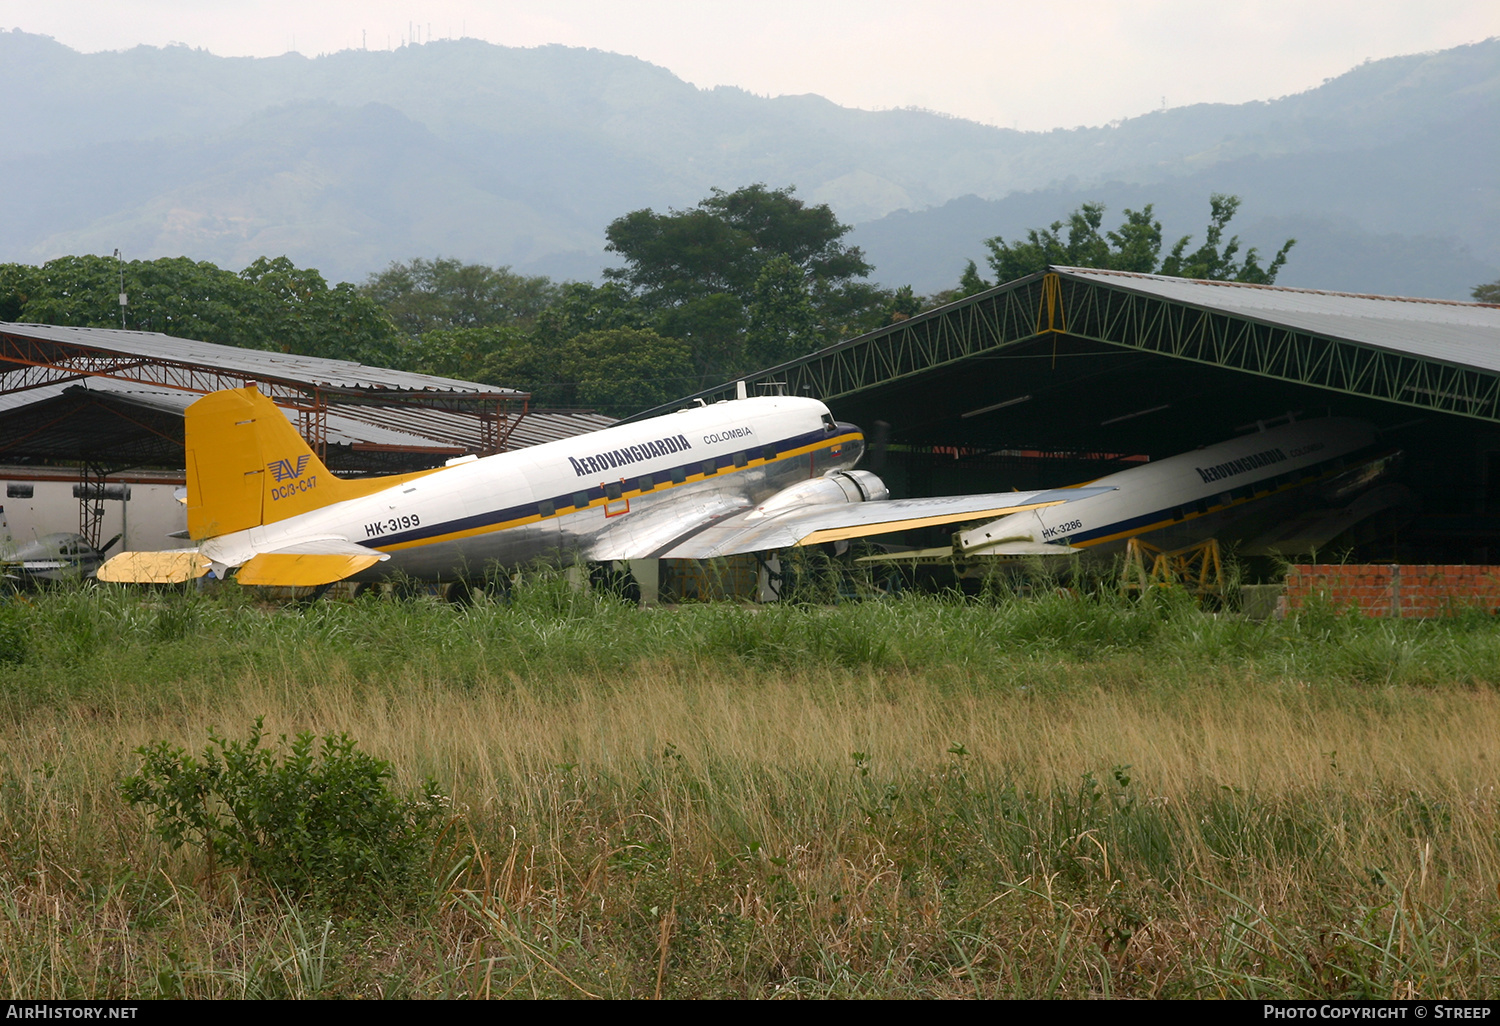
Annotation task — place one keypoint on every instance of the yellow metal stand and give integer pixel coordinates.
(1197, 568)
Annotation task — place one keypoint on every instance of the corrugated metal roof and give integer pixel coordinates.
(534, 427)
(351, 425)
(1467, 334)
(369, 409)
(250, 363)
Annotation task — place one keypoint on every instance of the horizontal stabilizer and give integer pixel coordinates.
(174, 567)
(327, 545)
(295, 570)
(941, 554)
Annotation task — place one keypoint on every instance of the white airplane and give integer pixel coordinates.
(746, 475)
(1258, 487)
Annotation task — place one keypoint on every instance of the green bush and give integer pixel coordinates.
(320, 822)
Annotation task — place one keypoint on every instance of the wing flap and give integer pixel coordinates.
(173, 567)
(646, 533)
(911, 523)
(811, 525)
(945, 554)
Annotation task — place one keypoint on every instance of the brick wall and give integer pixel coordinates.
(1395, 589)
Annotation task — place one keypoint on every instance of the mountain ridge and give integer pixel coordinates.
(521, 156)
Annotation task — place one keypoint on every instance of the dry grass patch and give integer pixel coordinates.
(1185, 808)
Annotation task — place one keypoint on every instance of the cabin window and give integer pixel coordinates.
(679, 475)
(1201, 506)
(768, 453)
(581, 499)
(547, 508)
(612, 490)
(741, 458)
(710, 468)
(647, 482)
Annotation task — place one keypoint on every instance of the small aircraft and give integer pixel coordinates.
(743, 475)
(1284, 489)
(51, 558)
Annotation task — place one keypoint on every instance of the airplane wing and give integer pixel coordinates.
(1315, 529)
(734, 530)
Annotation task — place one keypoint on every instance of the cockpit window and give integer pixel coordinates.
(828, 423)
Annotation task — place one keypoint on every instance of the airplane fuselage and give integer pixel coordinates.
(563, 497)
(1192, 496)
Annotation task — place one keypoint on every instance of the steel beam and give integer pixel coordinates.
(1066, 307)
(1151, 324)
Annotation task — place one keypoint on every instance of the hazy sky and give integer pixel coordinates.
(1018, 64)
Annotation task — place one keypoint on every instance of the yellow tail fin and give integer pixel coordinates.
(247, 466)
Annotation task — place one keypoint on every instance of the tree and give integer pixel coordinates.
(781, 320)
(15, 289)
(1134, 246)
(426, 295)
(1487, 293)
(716, 276)
(584, 306)
(591, 348)
(620, 371)
(1208, 262)
(299, 313)
(970, 283)
(173, 295)
(272, 304)
(472, 354)
(617, 371)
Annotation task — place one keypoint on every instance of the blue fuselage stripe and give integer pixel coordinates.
(565, 503)
(1239, 493)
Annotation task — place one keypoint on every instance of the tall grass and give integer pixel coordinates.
(1055, 796)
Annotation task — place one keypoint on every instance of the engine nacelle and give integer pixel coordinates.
(836, 486)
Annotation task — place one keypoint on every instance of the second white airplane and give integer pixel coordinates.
(1282, 489)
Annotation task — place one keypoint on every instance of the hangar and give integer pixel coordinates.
(92, 403)
(1073, 373)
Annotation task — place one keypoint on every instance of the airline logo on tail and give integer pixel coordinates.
(282, 469)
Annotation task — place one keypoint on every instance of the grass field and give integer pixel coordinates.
(1056, 796)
